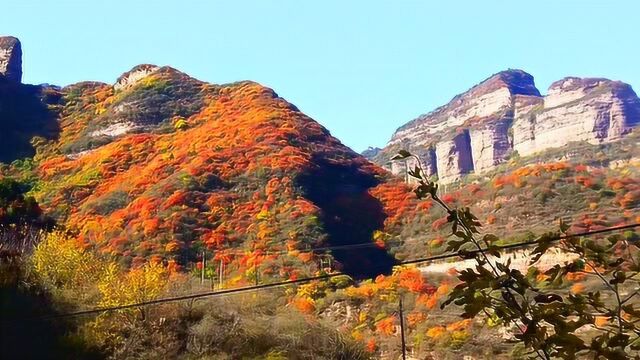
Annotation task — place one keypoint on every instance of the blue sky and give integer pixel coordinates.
(361, 68)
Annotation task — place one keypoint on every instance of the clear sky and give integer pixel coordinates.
(361, 68)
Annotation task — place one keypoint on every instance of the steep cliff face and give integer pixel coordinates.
(469, 134)
(481, 128)
(591, 110)
(10, 58)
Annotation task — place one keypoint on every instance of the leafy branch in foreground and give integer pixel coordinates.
(550, 322)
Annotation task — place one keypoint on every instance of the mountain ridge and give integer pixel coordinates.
(503, 115)
(160, 165)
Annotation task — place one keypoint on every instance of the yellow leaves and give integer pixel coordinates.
(436, 332)
(542, 277)
(310, 290)
(100, 110)
(457, 331)
(179, 123)
(263, 214)
(379, 235)
(138, 285)
(362, 317)
(60, 262)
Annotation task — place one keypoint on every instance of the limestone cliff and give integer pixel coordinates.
(482, 127)
(591, 110)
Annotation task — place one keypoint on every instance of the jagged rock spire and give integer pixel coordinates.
(11, 58)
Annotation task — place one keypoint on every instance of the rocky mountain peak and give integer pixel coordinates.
(517, 81)
(505, 113)
(11, 58)
(131, 77)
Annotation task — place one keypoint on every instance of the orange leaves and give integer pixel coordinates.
(430, 301)
(412, 280)
(385, 287)
(516, 177)
(457, 329)
(542, 277)
(398, 201)
(557, 166)
(601, 321)
(306, 256)
(386, 326)
(150, 226)
(215, 238)
(371, 345)
(415, 317)
(364, 290)
(304, 304)
(173, 246)
(575, 276)
(630, 200)
(459, 325)
(436, 332)
(585, 181)
(223, 256)
(577, 288)
(177, 198)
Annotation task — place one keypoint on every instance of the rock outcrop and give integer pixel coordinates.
(591, 110)
(482, 127)
(11, 58)
(131, 77)
(371, 152)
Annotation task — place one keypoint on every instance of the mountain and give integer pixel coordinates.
(506, 116)
(162, 165)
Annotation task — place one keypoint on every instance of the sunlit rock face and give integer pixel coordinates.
(11, 58)
(591, 110)
(504, 114)
(131, 77)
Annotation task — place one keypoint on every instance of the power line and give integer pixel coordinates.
(529, 243)
(373, 244)
(321, 277)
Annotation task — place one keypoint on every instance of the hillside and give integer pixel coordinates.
(160, 168)
(161, 165)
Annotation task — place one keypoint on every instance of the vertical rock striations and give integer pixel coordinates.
(591, 110)
(481, 128)
(469, 134)
(11, 58)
